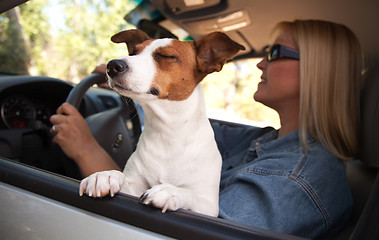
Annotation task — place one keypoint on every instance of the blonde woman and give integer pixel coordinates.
(293, 180)
(290, 180)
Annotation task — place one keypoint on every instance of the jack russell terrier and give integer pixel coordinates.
(177, 163)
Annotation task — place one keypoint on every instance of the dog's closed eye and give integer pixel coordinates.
(165, 56)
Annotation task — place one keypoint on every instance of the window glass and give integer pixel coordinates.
(229, 95)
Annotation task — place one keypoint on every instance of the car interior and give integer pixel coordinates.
(30, 161)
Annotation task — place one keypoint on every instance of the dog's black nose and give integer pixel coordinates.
(115, 67)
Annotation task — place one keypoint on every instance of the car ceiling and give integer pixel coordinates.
(360, 15)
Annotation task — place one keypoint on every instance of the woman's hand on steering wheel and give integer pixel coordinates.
(71, 131)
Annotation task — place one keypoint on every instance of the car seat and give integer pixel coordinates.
(363, 173)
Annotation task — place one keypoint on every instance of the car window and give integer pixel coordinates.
(62, 39)
(67, 39)
(229, 95)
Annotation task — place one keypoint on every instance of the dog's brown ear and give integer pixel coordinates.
(213, 50)
(131, 38)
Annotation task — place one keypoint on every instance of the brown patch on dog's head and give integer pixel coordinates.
(176, 67)
(187, 63)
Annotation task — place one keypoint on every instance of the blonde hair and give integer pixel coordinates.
(330, 80)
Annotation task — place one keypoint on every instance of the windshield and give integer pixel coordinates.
(67, 39)
(63, 39)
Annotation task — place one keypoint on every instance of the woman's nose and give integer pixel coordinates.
(262, 64)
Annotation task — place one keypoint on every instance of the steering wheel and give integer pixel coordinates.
(110, 127)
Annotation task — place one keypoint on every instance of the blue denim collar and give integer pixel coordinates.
(270, 142)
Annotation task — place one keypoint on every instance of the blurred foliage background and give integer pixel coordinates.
(61, 38)
(66, 39)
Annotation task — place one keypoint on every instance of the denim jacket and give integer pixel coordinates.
(276, 184)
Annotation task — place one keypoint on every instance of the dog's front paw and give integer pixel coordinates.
(164, 196)
(101, 184)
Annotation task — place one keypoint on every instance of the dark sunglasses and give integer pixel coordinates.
(278, 51)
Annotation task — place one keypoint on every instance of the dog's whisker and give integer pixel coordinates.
(135, 115)
(130, 106)
(128, 102)
(136, 87)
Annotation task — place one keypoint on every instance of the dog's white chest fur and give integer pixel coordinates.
(177, 149)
